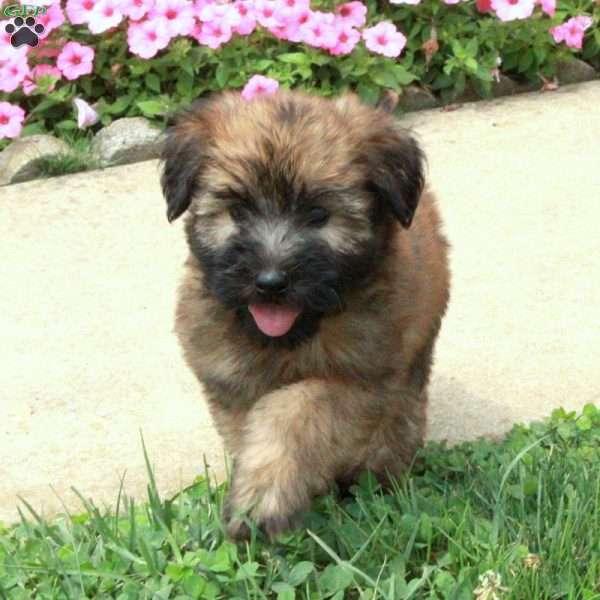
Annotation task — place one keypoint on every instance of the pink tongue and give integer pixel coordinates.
(272, 319)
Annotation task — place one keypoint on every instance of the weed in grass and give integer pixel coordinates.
(519, 519)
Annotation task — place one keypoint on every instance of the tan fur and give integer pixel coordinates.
(346, 399)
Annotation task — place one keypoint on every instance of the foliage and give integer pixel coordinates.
(519, 519)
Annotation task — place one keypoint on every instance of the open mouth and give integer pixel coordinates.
(273, 320)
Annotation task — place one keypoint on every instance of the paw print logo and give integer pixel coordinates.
(26, 32)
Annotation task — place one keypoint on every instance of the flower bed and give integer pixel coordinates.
(98, 60)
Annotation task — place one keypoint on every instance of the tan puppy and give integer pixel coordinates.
(314, 290)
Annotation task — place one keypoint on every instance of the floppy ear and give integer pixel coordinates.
(396, 171)
(183, 157)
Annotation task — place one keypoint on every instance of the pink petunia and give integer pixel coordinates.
(451, 1)
(288, 9)
(13, 69)
(247, 21)
(178, 16)
(79, 11)
(86, 115)
(319, 31)
(572, 31)
(220, 14)
(30, 82)
(511, 10)
(289, 32)
(258, 85)
(11, 120)
(52, 19)
(353, 14)
(384, 39)
(292, 30)
(548, 7)
(347, 38)
(147, 37)
(268, 13)
(105, 15)
(136, 9)
(214, 35)
(75, 60)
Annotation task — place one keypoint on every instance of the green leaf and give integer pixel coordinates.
(335, 578)
(295, 58)
(118, 106)
(222, 74)
(185, 85)
(246, 570)
(299, 573)
(153, 82)
(368, 93)
(284, 591)
(584, 423)
(471, 64)
(385, 77)
(151, 108)
(66, 125)
(403, 76)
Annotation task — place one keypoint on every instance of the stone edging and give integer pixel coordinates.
(133, 139)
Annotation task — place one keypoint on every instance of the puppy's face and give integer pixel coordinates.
(291, 202)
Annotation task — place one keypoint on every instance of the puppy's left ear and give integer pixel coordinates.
(183, 157)
(396, 171)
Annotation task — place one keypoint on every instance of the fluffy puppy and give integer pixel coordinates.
(314, 290)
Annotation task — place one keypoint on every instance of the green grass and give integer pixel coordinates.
(517, 519)
(79, 158)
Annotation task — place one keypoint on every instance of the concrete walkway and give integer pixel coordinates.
(89, 268)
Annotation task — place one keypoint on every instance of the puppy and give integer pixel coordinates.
(313, 294)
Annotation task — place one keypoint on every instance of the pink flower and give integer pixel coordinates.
(136, 9)
(572, 31)
(214, 35)
(347, 38)
(319, 31)
(510, 10)
(259, 85)
(287, 9)
(79, 11)
(105, 15)
(148, 37)
(86, 115)
(11, 120)
(220, 14)
(13, 69)
(292, 30)
(30, 82)
(53, 19)
(548, 6)
(178, 16)
(247, 21)
(451, 1)
(75, 60)
(353, 14)
(289, 32)
(267, 13)
(384, 39)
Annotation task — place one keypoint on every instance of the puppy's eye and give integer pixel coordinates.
(237, 212)
(318, 216)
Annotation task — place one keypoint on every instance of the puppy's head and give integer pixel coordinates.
(291, 202)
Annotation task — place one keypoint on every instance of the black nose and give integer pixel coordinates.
(271, 281)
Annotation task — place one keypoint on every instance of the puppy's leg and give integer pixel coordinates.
(297, 439)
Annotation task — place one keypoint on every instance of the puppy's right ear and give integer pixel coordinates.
(183, 157)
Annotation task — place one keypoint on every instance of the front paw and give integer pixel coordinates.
(271, 509)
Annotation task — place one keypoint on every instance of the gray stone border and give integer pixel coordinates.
(134, 139)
